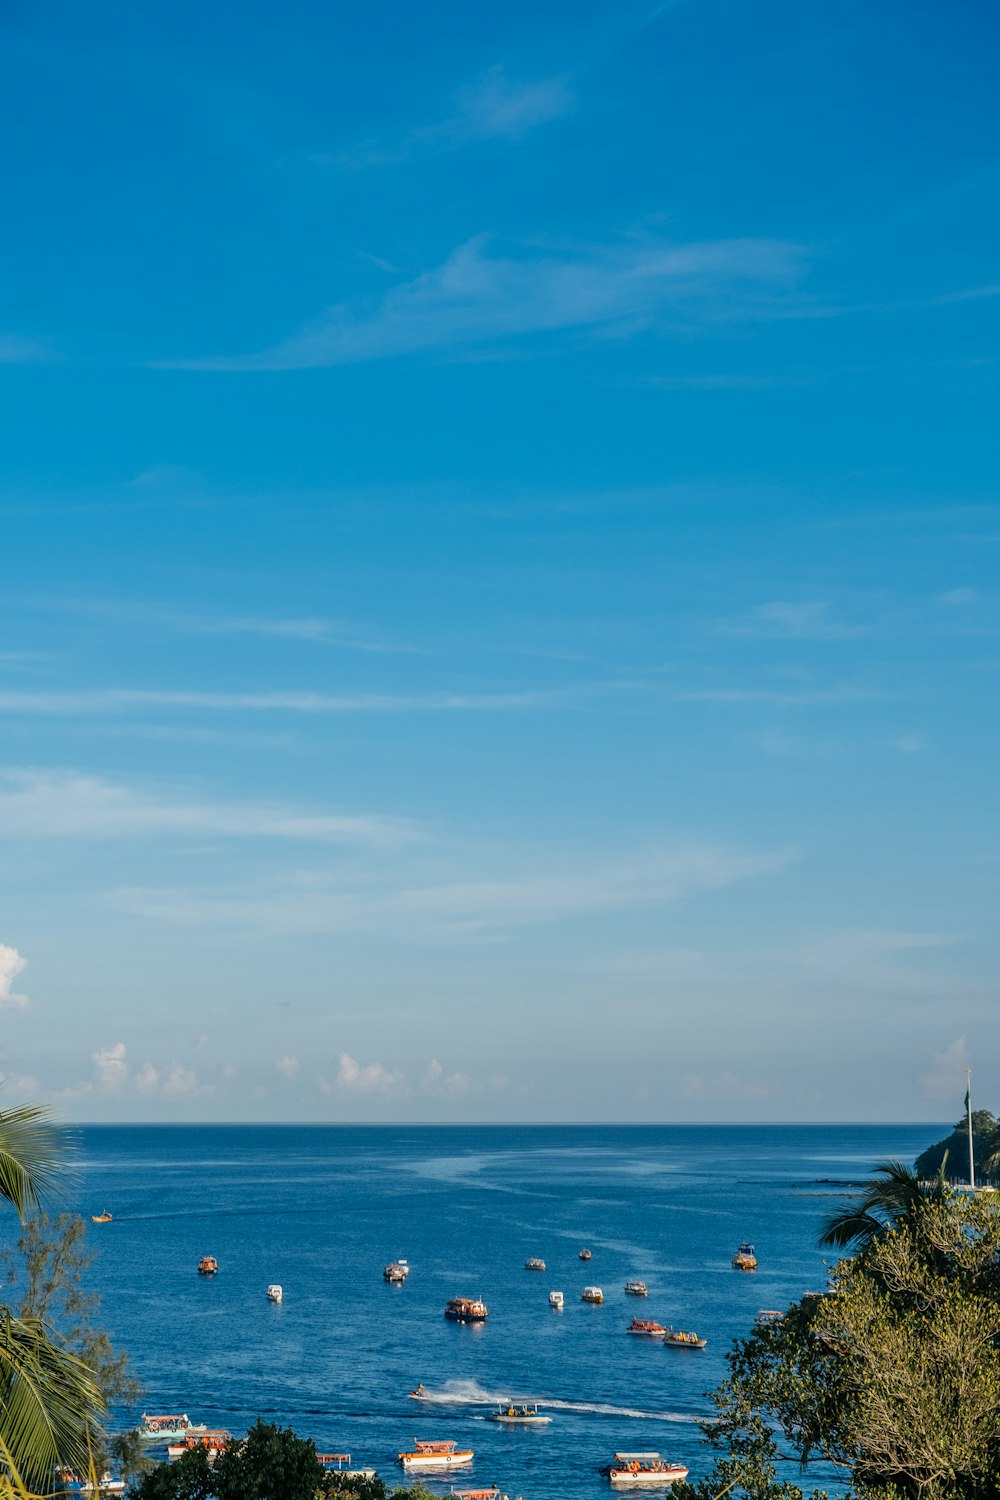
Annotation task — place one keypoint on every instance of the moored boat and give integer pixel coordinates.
(636, 1289)
(214, 1440)
(534, 1264)
(646, 1328)
(491, 1494)
(436, 1455)
(556, 1299)
(745, 1258)
(274, 1292)
(340, 1463)
(167, 1429)
(107, 1484)
(591, 1294)
(523, 1416)
(678, 1339)
(768, 1315)
(396, 1272)
(467, 1310)
(644, 1469)
(208, 1265)
(584, 1254)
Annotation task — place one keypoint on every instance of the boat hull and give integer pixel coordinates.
(648, 1478)
(414, 1462)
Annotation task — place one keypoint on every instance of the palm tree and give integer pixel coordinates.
(894, 1195)
(49, 1402)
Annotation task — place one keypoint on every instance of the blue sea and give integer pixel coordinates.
(322, 1209)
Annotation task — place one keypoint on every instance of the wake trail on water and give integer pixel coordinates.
(470, 1393)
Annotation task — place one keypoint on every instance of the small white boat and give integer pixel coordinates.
(274, 1292)
(643, 1468)
(556, 1299)
(636, 1289)
(437, 1455)
(534, 1264)
(591, 1294)
(519, 1416)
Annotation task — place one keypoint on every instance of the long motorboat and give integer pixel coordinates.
(396, 1272)
(436, 1455)
(519, 1416)
(213, 1441)
(107, 1484)
(167, 1429)
(491, 1494)
(646, 1328)
(467, 1310)
(636, 1289)
(745, 1258)
(644, 1469)
(676, 1338)
(340, 1463)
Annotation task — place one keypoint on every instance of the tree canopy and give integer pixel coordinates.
(955, 1147)
(892, 1377)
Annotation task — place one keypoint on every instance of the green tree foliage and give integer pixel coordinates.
(49, 1270)
(50, 1404)
(272, 1464)
(954, 1149)
(893, 1376)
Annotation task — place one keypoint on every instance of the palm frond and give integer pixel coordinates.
(34, 1152)
(48, 1401)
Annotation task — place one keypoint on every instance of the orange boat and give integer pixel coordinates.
(208, 1265)
(213, 1441)
(103, 1218)
(437, 1455)
(467, 1310)
(647, 1327)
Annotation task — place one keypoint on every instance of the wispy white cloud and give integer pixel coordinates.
(16, 350)
(123, 700)
(68, 804)
(809, 620)
(466, 906)
(288, 1067)
(110, 1067)
(435, 1080)
(494, 107)
(476, 297)
(909, 744)
(11, 965)
(358, 1078)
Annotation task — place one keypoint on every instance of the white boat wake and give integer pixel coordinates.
(470, 1393)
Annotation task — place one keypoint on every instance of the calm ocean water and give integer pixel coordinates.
(322, 1209)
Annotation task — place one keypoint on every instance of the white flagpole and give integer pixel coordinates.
(968, 1110)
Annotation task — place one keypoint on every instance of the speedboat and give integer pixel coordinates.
(467, 1310)
(646, 1328)
(534, 1264)
(745, 1258)
(636, 1289)
(208, 1265)
(556, 1299)
(102, 1218)
(438, 1455)
(584, 1254)
(397, 1272)
(519, 1416)
(678, 1339)
(274, 1292)
(167, 1429)
(644, 1469)
(591, 1294)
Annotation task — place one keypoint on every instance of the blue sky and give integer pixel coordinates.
(499, 592)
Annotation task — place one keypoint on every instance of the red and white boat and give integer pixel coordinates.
(643, 1468)
(438, 1455)
(647, 1328)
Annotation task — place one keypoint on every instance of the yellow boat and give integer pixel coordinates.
(104, 1218)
